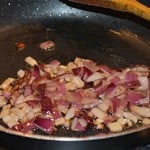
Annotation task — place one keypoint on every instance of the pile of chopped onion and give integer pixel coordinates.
(74, 96)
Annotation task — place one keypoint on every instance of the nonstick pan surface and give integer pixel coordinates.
(112, 38)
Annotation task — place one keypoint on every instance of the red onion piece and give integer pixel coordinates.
(36, 71)
(61, 88)
(130, 76)
(27, 90)
(45, 124)
(78, 95)
(134, 97)
(56, 113)
(100, 88)
(83, 72)
(54, 63)
(33, 103)
(77, 105)
(74, 97)
(110, 88)
(39, 81)
(105, 69)
(131, 79)
(115, 80)
(46, 105)
(25, 127)
(6, 94)
(109, 119)
(115, 104)
(40, 89)
(47, 45)
(79, 124)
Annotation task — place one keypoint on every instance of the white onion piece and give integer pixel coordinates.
(31, 61)
(115, 126)
(142, 111)
(146, 121)
(20, 99)
(60, 121)
(130, 116)
(144, 83)
(11, 120)
(21, 73)
(98, 113)
(5, 110)
(70, 113)
(7, 83)
(95, 76)
(3, 101)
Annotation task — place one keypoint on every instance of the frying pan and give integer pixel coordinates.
(108, 37)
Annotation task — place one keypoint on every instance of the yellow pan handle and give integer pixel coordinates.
(131, 6)
(134, 7)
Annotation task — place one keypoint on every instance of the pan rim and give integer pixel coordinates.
(73, 139)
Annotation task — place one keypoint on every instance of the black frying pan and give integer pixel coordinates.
(87, 32)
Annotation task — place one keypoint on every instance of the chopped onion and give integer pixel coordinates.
(45, 124)
(144, 83)
(78, 124)
(134, 97)
(131, 79)
(95, 76)
(83, 72)
(31, 61)
(79, 94)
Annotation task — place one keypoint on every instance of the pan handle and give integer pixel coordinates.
(131, 6)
